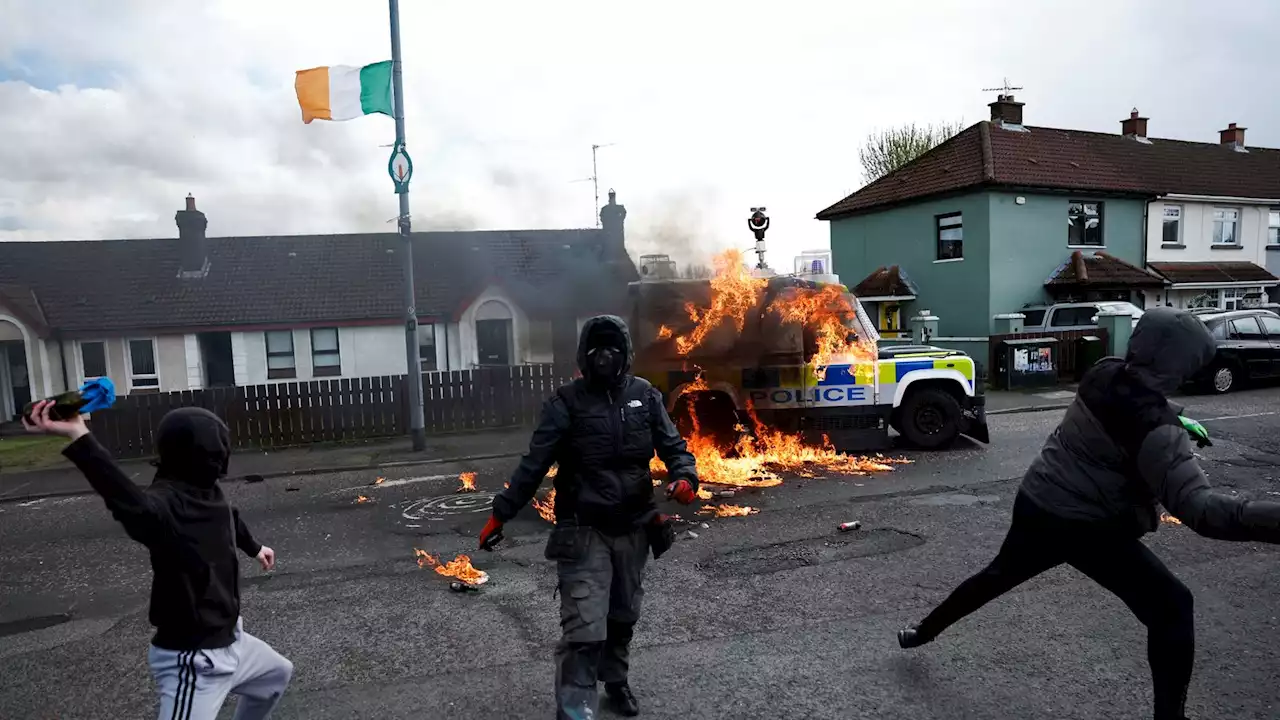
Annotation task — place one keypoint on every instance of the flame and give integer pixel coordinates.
(468, 482)
(361, 499)
(703, 493)
(459, 568)
(828, 312)
(379, 481)
(734, 291)
(553, 471)
(1167, 518)
(758, 457)
(664, 332)
(724, 510)
(546, 507)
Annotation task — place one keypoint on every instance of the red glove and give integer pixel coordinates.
(491, 534)
(682, 491)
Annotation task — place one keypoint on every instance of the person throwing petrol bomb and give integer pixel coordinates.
(602, 430)
(200, 652)
(1093, 491)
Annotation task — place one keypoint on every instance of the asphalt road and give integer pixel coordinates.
(774, 615)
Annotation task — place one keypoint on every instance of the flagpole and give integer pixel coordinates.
(417, 426)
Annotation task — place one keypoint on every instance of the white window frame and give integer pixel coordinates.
(106, 360)
(1220, 224)
(1177, 220)
(293, 353)
(326, 370)
(1273, 227)
(151, 380)
(424, 359)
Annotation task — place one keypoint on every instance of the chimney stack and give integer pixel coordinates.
(1006, 111)
(612, 217)
(1134, 126)
(1232, 137)
(193, 253)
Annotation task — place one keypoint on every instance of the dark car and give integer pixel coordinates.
(1248, 349)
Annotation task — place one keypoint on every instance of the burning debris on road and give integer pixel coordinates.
(467, 482)
(726, 510)
(361, 499)
(379, 481)
(460, 568)
(1167, 518)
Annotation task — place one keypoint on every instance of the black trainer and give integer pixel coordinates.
(622, 700)
(910, 637)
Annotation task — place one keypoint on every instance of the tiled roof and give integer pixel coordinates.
(21, 301)
(1101, 269)
(886, 282)
(1212, 272)
(987, 154)
(122, 285)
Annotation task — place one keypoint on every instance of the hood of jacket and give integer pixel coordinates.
(604, 329)
(1168, 347)
(194, 446)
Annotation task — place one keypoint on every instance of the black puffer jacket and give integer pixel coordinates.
(602, 437)
(1120, 449)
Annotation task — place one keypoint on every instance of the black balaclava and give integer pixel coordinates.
(194, 446)
(605, 352)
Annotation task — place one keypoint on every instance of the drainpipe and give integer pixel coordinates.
(1146, 229)
(62, 354)
(447, 361)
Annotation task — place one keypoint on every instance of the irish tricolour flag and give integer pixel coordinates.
(342, 92)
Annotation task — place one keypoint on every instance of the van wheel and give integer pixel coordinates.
(930, 418)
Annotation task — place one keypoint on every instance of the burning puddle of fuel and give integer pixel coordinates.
(809, 552)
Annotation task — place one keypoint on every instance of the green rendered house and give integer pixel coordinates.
(999, 216)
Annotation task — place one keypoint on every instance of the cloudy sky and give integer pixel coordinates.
(112, 111)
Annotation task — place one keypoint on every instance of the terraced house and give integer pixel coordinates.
(1007, 214)
(192, 312)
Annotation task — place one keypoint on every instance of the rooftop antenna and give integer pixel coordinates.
(1005, 91)
(595, 178)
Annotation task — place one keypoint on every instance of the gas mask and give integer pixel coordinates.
(606, 364)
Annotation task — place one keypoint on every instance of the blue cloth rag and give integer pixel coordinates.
(98, 394)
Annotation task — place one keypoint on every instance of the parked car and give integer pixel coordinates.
(1073, 316)
(1248, 349)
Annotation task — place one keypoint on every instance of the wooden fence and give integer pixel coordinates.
(1068, 348)
(343, 410)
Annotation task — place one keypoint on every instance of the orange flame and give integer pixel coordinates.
(725, 510)
(361, 499)
(1167, 518)
(827, 311)
(468, 480)
(459, 568)
(546, 507)
(758, 457)
(664, 332)
(379, 481)
(734, 291)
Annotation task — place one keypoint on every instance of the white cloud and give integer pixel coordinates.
(715, 107)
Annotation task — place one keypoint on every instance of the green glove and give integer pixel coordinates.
(1196, 431)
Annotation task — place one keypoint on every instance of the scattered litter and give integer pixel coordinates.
(725, 493)
(291, 489)
(704, 526)
(253, 478)
(462, 587)
(691, 535)
(29, 503)
(417, 526)
(847, 526)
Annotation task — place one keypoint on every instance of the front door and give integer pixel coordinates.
(1271, 326)
(493, 342)
(215, 355)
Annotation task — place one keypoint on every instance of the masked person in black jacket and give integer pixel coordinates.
(1093, 492)
(200, 652)
(602, 430)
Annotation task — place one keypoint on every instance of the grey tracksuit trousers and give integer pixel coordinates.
(600, 596)
(194, 683)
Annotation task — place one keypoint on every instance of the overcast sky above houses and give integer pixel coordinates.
(111, 112)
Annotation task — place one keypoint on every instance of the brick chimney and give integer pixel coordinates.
(612, 217)
(1134, 126)
(1232, 137)
(193, 253)
(1006, 111)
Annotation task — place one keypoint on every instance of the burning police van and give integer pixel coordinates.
(795, 354)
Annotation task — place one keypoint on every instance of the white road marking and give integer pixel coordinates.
(397, 483)
(1240, 417)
